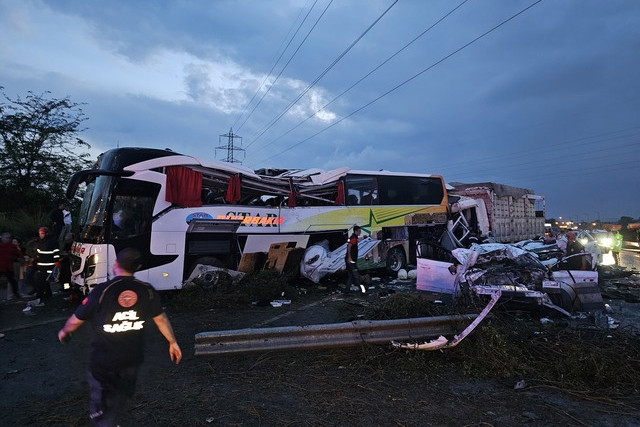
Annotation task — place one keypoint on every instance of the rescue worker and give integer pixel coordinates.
(616, 247)
(47, 254)
(119, 310)
(351, 259)
(574, 261)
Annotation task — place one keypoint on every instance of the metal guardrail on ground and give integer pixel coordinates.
(349, 334)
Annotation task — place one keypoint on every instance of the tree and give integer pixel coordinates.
(39, 150)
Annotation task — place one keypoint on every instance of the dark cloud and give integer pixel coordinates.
(549, 101)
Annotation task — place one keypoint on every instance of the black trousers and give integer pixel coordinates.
(110, 390)
(616, 257)
(41, 284)
(11, 278)
(353, 276)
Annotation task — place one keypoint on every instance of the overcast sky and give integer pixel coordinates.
(549, 100)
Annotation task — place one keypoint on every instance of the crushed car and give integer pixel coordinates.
(518, 273)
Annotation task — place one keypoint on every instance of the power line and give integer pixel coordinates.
(578, 170)
(538, 148)
(406, 81)
(317, 79)
(366, 75)
(273, 67)
(521, 168)
(290, 59)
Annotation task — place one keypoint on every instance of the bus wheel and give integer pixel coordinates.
(208, 279)
(396, 259)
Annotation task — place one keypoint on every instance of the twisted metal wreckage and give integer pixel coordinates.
(527, 275)
(530, 274)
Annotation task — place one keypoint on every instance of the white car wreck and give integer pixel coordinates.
(518, 274)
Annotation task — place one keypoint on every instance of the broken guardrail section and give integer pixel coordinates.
(251, 340)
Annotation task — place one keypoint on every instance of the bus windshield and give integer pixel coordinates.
(93, 209)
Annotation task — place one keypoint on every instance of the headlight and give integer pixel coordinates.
(606, 241)
(583, 240)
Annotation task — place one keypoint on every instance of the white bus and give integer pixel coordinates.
(180, 211)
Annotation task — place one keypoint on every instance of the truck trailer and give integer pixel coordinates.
(500, 212)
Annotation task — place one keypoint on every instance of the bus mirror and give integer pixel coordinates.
(78, 177)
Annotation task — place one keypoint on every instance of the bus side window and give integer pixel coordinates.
(133, 209)
(362, 190)
(370, 198)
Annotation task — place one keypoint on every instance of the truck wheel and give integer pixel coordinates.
(208, 279)
(396, 259)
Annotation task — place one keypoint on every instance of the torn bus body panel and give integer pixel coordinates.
(318, 261)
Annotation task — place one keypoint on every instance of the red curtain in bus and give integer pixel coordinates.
(291, 202)
(184, 186)
(340, 196)
(234, 190)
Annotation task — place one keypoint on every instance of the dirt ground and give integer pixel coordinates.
(43, 382)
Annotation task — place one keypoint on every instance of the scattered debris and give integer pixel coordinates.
(520, 385)
(209, 276)
(280, 302)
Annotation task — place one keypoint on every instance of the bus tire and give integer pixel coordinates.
(396, 259)
(207, 280)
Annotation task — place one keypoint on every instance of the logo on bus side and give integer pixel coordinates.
(270, 220)
(198, 215)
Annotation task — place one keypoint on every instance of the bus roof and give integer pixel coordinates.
(191, 162)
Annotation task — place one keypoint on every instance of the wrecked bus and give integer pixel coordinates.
(181, 212)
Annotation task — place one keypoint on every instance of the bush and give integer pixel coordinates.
(22, 225)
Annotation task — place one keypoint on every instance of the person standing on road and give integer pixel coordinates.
(119, 310)
(9, 253)
(30, 255)
(57, 220)
(574, 248)
(47, 254)
(66, 227)
(351, 259)
(616, 247)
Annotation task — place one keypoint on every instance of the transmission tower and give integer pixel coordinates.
(230, 146)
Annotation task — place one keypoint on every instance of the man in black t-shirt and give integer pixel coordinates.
(118, 310)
